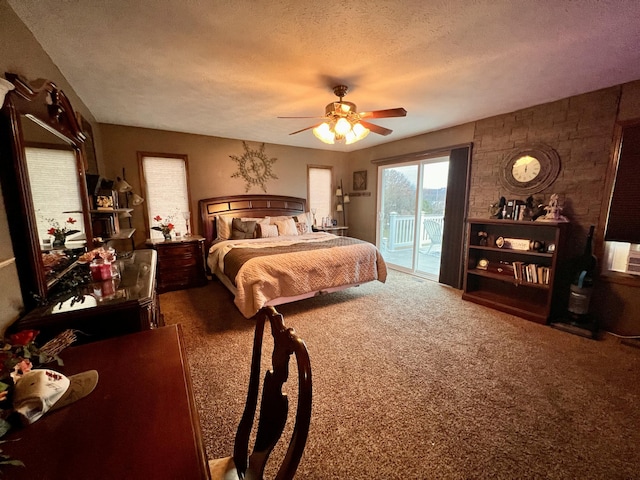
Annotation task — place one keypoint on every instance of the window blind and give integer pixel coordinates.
(167, 193)
(624, 220)
(49, 169)
(320, 195)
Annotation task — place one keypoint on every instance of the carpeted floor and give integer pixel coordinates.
(411, 382)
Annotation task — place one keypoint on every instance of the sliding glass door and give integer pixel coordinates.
(411, 206)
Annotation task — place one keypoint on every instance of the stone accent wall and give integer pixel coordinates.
(579, 128)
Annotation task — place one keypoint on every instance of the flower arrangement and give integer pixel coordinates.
(60, 234)
(18, 355)
(164, 227)
(106, 254)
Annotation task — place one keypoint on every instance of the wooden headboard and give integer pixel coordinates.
(245, 206)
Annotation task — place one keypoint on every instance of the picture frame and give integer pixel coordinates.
(360, 180)
(104, 200)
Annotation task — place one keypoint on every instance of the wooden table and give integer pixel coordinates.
(139, 423)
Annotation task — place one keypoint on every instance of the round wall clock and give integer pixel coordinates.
(530, 169)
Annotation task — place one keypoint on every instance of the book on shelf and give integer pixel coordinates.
(531, 273)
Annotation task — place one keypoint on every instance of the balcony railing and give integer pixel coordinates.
(402, 231)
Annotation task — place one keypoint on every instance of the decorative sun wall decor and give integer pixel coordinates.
(254, 166)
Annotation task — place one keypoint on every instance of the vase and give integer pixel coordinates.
(58, 241)
(167, 236)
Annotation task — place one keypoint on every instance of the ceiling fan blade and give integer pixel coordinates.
(300, 117)
(390, 112)
(376, 128)
(308, 128)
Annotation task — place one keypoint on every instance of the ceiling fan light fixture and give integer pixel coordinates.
(359, 131)
(324, 133)
(342, 121)
(342, 127)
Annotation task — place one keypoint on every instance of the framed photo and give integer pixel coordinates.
(360, 180)
(104, 201)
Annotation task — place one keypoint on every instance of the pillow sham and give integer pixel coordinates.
(279, 219)
(266, 231)
(223, 227)
(242, 229)
(286, 227)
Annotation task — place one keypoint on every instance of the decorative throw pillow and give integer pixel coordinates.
(301, 227)
(240, 229)
(266, 231)
(305, 218)
(223, 227)
(286, 227)
(263, 221)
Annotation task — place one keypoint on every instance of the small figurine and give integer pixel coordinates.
(553, 211)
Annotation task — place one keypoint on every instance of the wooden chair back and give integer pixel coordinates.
(274, 406)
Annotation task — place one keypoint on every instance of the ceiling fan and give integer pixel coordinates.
(342, 122)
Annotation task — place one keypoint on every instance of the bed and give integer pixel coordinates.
(288, 261)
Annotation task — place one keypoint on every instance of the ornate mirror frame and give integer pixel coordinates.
(549, 167)
(49, 108)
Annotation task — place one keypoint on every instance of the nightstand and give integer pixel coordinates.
(180, 263)
(340, 231)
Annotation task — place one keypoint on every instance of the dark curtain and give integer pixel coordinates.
(624, 217)
(451, 260)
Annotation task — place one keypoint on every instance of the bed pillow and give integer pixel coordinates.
(279, 219)
(258, 220)
(286, 227)
(242, 229)
(223, 227)
(306, 218)
(266, 231)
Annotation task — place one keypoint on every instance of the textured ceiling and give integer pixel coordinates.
(228, 68)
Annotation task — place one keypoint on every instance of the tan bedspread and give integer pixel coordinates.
(292, 266)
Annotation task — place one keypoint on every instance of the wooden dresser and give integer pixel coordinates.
(140, 422)
(106, 309)
(180, 263)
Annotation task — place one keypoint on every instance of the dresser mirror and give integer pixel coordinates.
(43, 184)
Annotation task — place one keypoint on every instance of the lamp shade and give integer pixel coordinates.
(338, 192)
(346, 198)
(339, 207)
(122, 185)
(136, 199)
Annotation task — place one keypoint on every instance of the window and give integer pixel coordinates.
(622, 237)
(319, 195)
(49, 170)
(165, 181)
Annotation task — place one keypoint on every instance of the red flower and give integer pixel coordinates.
(71, 220)
(170, 226)
(157, 218)
(23, 338)
(51, 231)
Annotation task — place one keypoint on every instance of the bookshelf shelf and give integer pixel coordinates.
(529, 283)
(506, 278)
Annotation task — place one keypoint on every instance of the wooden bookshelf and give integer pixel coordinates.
(537, 289)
